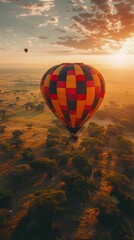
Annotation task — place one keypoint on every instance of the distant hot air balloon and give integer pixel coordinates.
(73, 92)
(25, 50)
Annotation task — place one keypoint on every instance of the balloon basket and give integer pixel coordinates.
(73, 137)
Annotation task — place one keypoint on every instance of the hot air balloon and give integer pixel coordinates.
(73, 92)
(25, 50)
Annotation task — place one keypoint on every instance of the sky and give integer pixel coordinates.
(96, 31)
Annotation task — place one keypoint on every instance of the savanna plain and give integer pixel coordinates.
(52, 188)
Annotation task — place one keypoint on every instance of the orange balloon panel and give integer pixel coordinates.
(73, 92)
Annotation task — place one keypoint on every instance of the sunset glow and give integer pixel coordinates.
(99, 32)
(120, 59)
(66, 119)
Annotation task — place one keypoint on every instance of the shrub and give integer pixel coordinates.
(5, 199)
(18, 174)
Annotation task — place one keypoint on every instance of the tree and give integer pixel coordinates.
(126, 205)
(44, 214)
(50, 166)
(52, 152)
(29, 105)
(3, 113)
(80, 162)
(62, 159)
(16, 142)
(101, 199)
(50, 202)
(5, 199)
(92, 125)
(39, 107)
(109, 214)
(96, 151)
(28, 155)
(1, 101)
(90, 142)
(54, 130)
(2, 129)
(98, 172)
(77, 186)
(114, 130)
(120, 128)
(87, 142)
(120, 184)
(17, 99)
(18, 174)
(103, 236)
(58, 123)
(29, 125)
(97, 131)
(110, 155)
(52, 137)
(17, 133)
(12, 105)
(51, 142)
(112, 133)
(125, 144)
(3, 217)
(3, 146)
(121, 230)
(125, 164)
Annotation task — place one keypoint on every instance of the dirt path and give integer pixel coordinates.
(88, 221)
(108, 167)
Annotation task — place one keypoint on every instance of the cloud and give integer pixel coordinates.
(39, 8)
(60, 30)
(43, 37)
(9, 1)
(9, 30)
(42, 25)
(52, 21)
(80, 9)
(104, 29)
(105, 46)
(76, 2)
(84, 44)
(62, 52)
(33, 38)
(78, 5)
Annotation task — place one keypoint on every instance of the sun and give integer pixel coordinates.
(120, 58)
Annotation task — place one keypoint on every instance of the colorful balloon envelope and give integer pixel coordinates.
(73, 92)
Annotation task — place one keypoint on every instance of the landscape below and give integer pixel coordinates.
(52, 188)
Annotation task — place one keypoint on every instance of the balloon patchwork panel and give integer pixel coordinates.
(73, 91)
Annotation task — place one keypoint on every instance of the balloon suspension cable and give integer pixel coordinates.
(74, 137)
